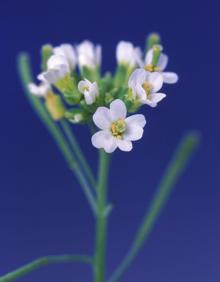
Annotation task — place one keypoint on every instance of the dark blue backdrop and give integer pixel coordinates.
(42, 210)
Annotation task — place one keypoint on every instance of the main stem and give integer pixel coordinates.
(101, 218)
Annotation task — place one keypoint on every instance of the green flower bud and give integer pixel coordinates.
(69, 90)
(152, 39)
(46, 53)
(76, 116)
(157, 49)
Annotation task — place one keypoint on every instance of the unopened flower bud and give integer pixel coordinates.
(157, 49)
(46, 53)
(55, 106)
(76, 116)
(152, 39)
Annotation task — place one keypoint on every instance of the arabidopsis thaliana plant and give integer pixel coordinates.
(39, 90)
(89, 90)
(145, 85)
(127, 54)
(89, 55)
(168, 77)
(117, 131)
(68, 51)
(57, 68)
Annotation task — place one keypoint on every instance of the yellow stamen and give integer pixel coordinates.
(118, 128)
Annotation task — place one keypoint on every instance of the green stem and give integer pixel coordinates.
(173, 172)
(101, 224)
(77, 150)
(53, 128)
(41, 262)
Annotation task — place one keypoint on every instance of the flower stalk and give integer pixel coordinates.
(101, 218)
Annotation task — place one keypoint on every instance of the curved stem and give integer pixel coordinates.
(173, 172)
(77, 150)
(53, 128)
(41, 262)
(101, 224)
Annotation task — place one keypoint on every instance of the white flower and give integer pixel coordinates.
(116, 129)
(168, 77)
(89, 55)
(57, 68)
(145, 85)
(67, 51)
(127, 54)
(39, 90)
(89, 90)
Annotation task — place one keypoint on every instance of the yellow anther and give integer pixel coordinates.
(118, 128)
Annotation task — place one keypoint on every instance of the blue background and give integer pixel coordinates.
(42, 209)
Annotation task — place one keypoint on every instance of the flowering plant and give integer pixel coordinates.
(72, 90)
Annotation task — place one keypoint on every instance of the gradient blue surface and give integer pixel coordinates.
(42, 209)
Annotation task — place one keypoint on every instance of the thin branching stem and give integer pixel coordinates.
(178, 163)
(26, 77)
(41, 262)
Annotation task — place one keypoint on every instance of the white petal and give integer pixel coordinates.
(133, 132)
(136, 119)
(170, 77)
(140, 92)
(51, 76)
(98, 54)
(39, 90)
(155, 79)
(118, 110)
(89, 98)
(94, 89)
(137, 77)
(157, 97)
(138, 57)
(102, 118)
(56, 61)
(162, 62)
(82, 85)
(149, 57)
(110, 144)
(124, 145)
(99, 138)
(67, 51)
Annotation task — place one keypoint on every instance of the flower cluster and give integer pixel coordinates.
(73, 88)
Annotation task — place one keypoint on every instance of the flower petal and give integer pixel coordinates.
(133, 132)
(156, 98)
(82, 85)
(110, 144)
(138, 119)
(137, 77)
(124, 145)
(140, 92)
(155, 79)
(99, 138)
(170, 77)
(89, 97)
(149, 57)
(102, 118)
(162, 62)
(118, 110)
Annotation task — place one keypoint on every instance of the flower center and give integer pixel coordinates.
(148, 88)
(152, 68)
(85, 89)
(118, 128)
